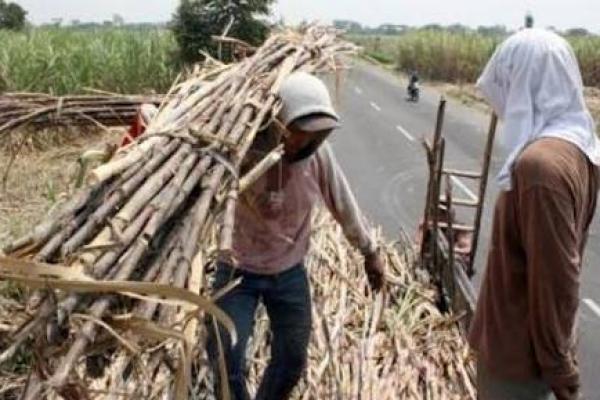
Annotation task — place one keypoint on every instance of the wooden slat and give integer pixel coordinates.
(487, 158)
(466, 288)
(457, 227)
(465, 297)
(462, 174)
(462, 202)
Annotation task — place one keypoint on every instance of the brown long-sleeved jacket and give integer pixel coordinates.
(524, 327)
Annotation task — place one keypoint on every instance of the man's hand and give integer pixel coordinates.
(375, 269)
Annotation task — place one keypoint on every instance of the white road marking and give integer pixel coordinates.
(464, 188)
(593, 306)
(358, 90)
(375, 106)
(405, 133)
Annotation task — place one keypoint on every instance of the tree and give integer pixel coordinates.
(578, 32)
(432, 27)
(458, 28)
(347, 25)
(118, 20)
(196, 21)
(493, 31)
(12, 16)
(390, 29)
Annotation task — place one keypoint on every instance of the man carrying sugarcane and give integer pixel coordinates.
(271, 240)
(524, 326)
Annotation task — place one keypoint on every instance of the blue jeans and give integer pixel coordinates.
(286, 297)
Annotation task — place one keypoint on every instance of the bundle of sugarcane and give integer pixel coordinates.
(144, 214)
(45, 111)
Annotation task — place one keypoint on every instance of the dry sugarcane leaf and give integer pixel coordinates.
(37, 275)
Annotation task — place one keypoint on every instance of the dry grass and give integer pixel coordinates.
(42, 173)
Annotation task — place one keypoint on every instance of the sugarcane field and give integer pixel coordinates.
(271, 200)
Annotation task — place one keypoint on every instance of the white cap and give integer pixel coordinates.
(306, 101)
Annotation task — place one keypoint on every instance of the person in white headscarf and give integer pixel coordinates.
(523, 329)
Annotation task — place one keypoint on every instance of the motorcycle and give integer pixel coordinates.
(414, 92)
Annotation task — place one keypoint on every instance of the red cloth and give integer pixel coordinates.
(136, 128)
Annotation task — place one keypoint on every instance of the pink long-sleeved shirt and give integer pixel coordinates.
(273, 217)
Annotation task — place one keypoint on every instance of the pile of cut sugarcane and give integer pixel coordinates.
(396, 345)
(39, 111)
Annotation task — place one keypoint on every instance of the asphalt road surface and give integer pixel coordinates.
(379, 148)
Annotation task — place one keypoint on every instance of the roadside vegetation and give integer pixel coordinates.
(123, 58)
(69, 60)
(454, 60)
(459, 57)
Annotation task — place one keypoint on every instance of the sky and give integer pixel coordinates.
(561, 14)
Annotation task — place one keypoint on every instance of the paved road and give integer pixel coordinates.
(379, 149)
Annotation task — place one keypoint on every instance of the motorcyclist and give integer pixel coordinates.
(413, 86)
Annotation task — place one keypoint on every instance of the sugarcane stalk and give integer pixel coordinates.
(15, 102)
(190, 246)
(72, 223)
(147, 309)
(42, 232)
(226, 236)
(100, 306)
(174, 109)
(189, 182)
(99, 271)
(261, 168)
(114, 200)
(50, 248)
(159, 213)
(161, 274)
(108, 170)
(97, 310)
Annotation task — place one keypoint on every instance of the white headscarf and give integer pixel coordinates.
(534, 84)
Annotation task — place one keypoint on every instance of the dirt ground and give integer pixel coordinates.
(42, 173)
